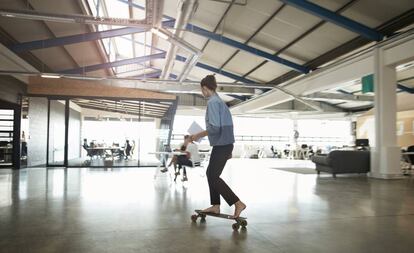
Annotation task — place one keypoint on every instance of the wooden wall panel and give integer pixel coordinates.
(81, 88)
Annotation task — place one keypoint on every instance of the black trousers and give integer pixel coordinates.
(182, 160)
(218, 159)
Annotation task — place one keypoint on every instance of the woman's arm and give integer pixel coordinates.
(199, 135)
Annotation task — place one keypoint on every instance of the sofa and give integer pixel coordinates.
(343, 161)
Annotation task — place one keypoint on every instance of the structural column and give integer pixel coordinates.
(385, 154)
(295, 135)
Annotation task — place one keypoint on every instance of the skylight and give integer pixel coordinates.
(127, 46)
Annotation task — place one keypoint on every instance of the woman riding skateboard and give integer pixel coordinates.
(219, 129)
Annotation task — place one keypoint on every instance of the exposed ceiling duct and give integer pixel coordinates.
(151, 17)
(298, 98)
(173, 86)
(184, 12)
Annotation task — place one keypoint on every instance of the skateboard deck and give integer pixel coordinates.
(240, 221)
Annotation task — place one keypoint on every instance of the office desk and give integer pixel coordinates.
(103, 149)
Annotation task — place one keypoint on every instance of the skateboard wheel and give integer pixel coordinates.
(203, 216)
(243, 223)
(235, 226)
(194, 217)
(203, 219)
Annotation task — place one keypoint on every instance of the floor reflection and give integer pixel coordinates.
(78, 205)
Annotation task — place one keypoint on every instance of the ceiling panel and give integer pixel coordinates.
(195, 40)
(321, 40)
(216, 53)
(20, 29)
(242, 21)
(289, 23)
(373, 13)
(85, 53)
(243, 62)
(207, 14)
(56, 58)
(332, 5)
(198, 73)
(56, 6)
(269, 71)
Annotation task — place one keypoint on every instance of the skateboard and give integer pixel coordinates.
(240, 222)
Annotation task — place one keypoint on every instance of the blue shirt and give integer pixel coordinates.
(219, 123)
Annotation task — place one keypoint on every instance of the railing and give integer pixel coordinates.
(281, 139)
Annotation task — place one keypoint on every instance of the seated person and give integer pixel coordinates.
(85, 144)
(273, 151)
(286, 151)
(116, 151)
(128, 148)
(175, 157)
(191, 157)
(303, 152)
(310, 152)
(86, 147)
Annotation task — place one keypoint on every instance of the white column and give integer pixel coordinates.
(385, 155)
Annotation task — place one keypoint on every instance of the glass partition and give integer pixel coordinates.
(107, 133)
(6, 137)
(56, 133)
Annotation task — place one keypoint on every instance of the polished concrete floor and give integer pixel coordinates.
(127, 210)
(108, 162)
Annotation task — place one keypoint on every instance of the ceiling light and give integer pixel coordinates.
(50, 76)
(159, 33)
(91, 78)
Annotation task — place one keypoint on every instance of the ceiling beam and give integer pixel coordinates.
(238, 45)
(332, 76)
(230, 42)
(405, 88)
(278, 10)
(388, 28)
(154, 74)
(120, 106)
(119, 109)
(203, 66)
(129, 105)
(336, 19)
(113, 64)
(338, 96)
(22, 47)
(131, 113)
(147, 22)
(218, 71)
(295, 105)
(300, 37)
(78, 38)
(83, 88)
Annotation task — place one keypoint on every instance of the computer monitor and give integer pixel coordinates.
(362, 142)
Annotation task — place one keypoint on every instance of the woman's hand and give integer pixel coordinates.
(193, 137)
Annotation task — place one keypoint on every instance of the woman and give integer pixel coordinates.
(219, 129)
